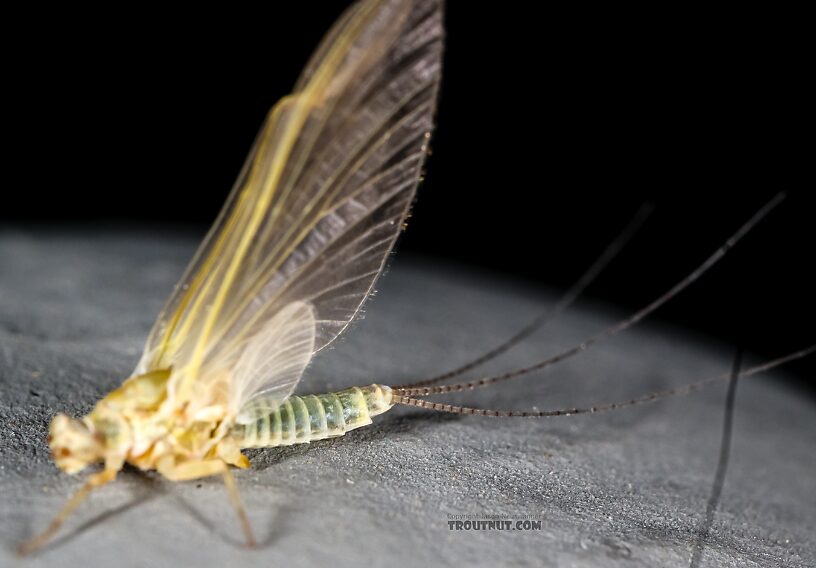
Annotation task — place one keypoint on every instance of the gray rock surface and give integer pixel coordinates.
(626, 488)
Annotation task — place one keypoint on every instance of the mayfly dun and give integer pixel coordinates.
(291, 258)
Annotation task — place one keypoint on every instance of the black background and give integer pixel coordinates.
(553, 129)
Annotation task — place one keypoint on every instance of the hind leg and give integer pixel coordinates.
(205, 468)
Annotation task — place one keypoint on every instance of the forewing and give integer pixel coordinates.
(281, 349)
(320, 201)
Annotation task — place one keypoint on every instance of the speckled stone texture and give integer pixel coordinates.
(626, 488)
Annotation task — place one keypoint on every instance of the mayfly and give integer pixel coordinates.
(291, 258)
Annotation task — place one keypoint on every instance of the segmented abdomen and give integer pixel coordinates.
(301, 419)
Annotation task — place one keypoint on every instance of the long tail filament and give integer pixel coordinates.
(400, 397)
(569, 297)
(407, 390)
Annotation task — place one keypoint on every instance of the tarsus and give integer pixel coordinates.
(400, 398)
(571, 295)
(614, 329)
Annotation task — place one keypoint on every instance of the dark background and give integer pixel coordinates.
(553, 129)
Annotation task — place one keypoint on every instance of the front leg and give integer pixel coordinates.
(95, 481)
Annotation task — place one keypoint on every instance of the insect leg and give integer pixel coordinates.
(96, 480)
(206, 468)
(235, 498)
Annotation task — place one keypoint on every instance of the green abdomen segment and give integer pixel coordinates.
(301, 419)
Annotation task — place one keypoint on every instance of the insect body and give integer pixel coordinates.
(292, 256)
(303, 419)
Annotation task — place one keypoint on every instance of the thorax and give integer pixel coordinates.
(141, 423)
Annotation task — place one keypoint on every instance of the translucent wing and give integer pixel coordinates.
(317, 206)
(281, 349)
